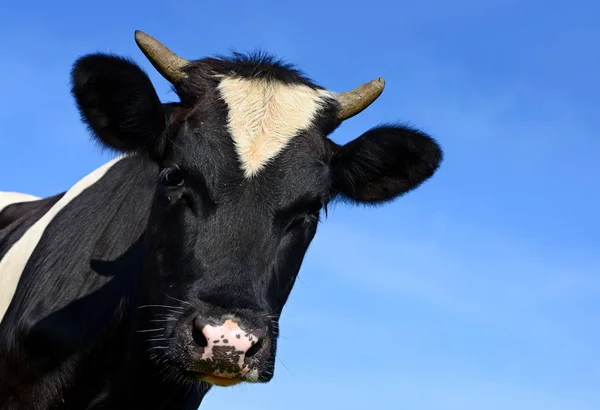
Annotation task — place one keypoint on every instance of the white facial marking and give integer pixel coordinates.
(9, 198)
(264, 115)
(14, 261)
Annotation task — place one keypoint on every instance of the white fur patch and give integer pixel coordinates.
(15, 260)
(264, 115)
(9, 198)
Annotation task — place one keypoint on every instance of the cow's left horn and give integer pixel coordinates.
(166, 62)
(354, 101)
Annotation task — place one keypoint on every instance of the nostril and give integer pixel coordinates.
(255, 348)
(199, 337)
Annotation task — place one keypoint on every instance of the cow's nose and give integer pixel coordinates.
(225, 347)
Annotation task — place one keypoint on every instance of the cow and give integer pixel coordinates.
(9, 198)
(164, 272)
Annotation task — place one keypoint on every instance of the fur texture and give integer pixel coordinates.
(263, 115)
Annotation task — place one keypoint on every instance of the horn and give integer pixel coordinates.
(354, 101)
(166, 62)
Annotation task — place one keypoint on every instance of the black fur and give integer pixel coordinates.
(68, 311)
(256, 65)
(384, 163)
(21, 215)
(118, 102)
(175, 233)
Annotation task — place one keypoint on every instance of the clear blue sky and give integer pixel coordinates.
(480, 290)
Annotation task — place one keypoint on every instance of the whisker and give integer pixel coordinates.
(158, 339)
(150, 330)
(162, 306)
(299, 279)
(168, 315)
(281, 361)
(179, 300)
(156, 347)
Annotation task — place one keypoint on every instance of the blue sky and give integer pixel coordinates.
(480, 290)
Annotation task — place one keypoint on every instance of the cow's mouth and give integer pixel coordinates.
(220, 381)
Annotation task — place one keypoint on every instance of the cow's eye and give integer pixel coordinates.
(301, 221)
(172, 176)
(314, 214)
(309, 216)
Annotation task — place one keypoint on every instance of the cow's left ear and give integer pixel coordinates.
(383, 163)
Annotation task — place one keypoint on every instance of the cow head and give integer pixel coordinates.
(246, 169)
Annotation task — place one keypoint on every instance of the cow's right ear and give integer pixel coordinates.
(118, 102)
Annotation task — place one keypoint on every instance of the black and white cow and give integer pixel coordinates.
(164, 271)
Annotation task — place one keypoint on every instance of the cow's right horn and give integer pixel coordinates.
(354, 101)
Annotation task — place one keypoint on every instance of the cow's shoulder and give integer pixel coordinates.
(18, 211)
(16, 207)
(13, 201)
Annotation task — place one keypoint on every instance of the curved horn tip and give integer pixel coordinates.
(376, 86)
(380, 80)
(141, 37)
(167, 63)
(355, 101)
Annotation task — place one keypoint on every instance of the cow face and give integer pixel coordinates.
(246, 169)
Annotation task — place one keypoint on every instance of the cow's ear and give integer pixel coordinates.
(383, 163)
(118, 102)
